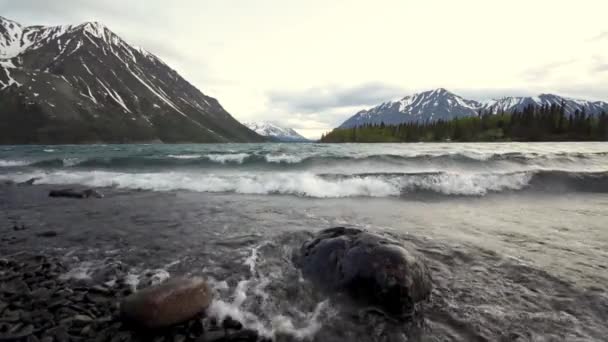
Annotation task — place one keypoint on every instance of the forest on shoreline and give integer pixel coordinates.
(534, 123)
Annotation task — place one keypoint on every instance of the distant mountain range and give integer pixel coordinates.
(276, 132)
(83, 83)
(441, 104)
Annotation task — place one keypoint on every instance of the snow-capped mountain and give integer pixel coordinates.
(440, 104)
(275, 131)
(83, 83)
(512, 104)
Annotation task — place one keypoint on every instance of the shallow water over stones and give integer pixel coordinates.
(490, 280)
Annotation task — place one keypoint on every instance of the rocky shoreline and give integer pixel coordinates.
(37, 305)
(66, 264)
(38, 302)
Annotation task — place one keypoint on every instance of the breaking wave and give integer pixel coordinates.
(13, 163)
(334, 185)
(298, 161)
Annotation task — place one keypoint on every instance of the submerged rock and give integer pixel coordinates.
(173, 302)
(30, 181)
(47, 234)
(371, 268)
(69, 193)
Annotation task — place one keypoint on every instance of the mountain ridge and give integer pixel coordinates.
(277, 132)
(84, 83)
(441, 104)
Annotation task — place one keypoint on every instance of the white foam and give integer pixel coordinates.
(81, 271)
(468, 184)
(71, 161)
(283, 158)
(300, 184)
(111, 282)
(278, 325)
(284, 325)
(228, 158)
(159, 276)
(49, 150)
(252, 260)
(146, 277)
(12, 163)
(132, 279)
(173, 263)
(307, 325)
(184, 156)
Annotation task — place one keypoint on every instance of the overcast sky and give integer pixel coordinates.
(310, 64)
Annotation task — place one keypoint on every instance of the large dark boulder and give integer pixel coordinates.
(175, 301)
(69, 193)
(371, 268)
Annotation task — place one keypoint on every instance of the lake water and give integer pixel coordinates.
(515, 233)
(319, 170)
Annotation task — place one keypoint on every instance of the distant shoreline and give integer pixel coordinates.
(305, 142)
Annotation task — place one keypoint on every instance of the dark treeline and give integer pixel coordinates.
(534, 123)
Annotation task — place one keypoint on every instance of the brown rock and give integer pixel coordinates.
(173, 302)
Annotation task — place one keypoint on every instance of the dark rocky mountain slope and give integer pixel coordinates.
(84, 84)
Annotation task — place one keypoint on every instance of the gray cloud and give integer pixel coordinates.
(57, 12)
(601, 36)
(126, 19)
(600, 64)
(321, 99)
(493, 93)
(595, 91)
(601, 67)
(60, 12)
(542, 71)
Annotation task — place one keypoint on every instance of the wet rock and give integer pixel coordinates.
(17, 332)
(230, 323)
(371, 268)
(19, 228)
(70, 193)
(47, 234)
(30, 181)
(175, 301)
(92, 193)
(245, 335)
(60, 333)
(212, 336)
(81, 320)
(32, 338)
(179, 338)
(15, 286)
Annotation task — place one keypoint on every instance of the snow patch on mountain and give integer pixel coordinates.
(275, 131)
